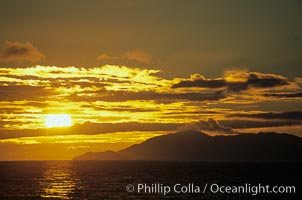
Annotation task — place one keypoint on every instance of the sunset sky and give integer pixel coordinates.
(126, 71)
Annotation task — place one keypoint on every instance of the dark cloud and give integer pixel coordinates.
(258, 124)
(201, 112)
(191, 96)
(256, 80)
(296, 115)
(96, 128)
(259, 81)
(236, 84)
(203, 83)
(126, 96)
(12, 93)
(285, 95)
(90, 129)
(15, 51)
(119, 109)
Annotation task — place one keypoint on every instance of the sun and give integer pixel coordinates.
(58, 120)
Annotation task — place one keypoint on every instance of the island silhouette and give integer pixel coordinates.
(197, 146)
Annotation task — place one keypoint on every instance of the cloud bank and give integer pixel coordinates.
(113, 98)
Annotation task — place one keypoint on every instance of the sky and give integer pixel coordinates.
(126, 71)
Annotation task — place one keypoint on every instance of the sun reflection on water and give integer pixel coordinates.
(58, 181)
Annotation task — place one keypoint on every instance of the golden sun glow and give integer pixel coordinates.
(58, 120)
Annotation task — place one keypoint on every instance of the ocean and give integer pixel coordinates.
(149, 180)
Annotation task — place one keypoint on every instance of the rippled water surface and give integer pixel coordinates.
(108, 179)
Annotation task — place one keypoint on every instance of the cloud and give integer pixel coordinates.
(18, 92)
(76, 147)
(15, 51)
(150, 95)
(297, 115)
(285, 95)
(293, 129)
(214, 125)
(121, 83)
(137, 55)
(235, 81)
(134, 55)
(207, 126)
(245, 123)
(259, 80)
(90, 129)
(105, 72)
(197, 80)
(227, 126)
(263, 119)
(114, 94)
(105, 56)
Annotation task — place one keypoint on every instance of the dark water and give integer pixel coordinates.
(108, 179)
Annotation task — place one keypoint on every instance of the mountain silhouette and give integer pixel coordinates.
(197, 146)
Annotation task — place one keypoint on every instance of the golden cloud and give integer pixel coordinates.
(134, 55)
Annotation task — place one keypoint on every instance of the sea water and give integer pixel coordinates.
(145, 179)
